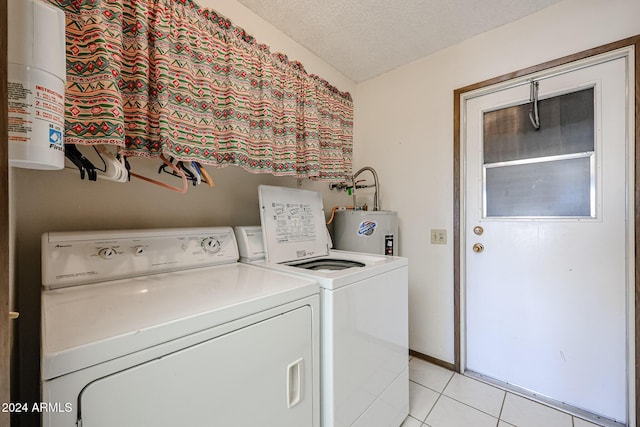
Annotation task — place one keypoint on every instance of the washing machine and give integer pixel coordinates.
(364, 308)
(167, 328)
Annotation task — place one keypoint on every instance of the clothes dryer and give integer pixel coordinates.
(166, 328)
(364, 308)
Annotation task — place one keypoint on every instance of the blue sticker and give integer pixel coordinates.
(55, 137)
(367, 228)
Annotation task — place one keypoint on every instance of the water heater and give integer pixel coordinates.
(36, 81)
(374, 232)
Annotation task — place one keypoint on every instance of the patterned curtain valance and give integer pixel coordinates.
(168, 76)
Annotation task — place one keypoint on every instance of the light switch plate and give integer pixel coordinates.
(438, 237)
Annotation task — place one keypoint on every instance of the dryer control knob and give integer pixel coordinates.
(138, 250)
(211, 245)
(107, 253)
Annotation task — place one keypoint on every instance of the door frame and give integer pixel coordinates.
(458, 197)
(5, 284)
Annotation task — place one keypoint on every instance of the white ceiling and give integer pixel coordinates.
(365, 38)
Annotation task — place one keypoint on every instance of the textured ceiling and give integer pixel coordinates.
(365, 38)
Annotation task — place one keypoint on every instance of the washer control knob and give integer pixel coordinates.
(211, 245)
(138, 250)
(107, 253)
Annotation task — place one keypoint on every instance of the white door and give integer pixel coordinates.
(259, 375)
(547, 210)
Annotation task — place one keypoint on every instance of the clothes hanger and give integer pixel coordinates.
(81, 162)
(205, 175)
(117, 168)
(76, 161)
(114, 168)
(177, 171)
(125, 164)
(176, 165)
(192, 172)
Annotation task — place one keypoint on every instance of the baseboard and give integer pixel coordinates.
(433, 360)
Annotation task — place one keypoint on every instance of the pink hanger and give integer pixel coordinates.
(185, 185)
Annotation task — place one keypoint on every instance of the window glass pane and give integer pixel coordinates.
(566, 126)
(548, 188)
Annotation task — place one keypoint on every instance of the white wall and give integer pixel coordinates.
(59, 200)
(408, 113)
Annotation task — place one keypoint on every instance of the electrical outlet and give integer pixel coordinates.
(438, 237)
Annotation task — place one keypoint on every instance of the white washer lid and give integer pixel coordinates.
(293, 224)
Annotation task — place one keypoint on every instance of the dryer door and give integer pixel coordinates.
(257, 375)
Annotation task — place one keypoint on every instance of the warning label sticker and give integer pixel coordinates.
(36, 110)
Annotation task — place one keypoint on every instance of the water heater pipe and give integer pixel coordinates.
(375, 184)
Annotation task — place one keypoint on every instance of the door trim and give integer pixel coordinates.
(458, 196)
(5, 327)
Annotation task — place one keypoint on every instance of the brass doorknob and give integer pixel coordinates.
(478, 247)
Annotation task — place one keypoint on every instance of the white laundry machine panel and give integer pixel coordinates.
(364, 347)
(228, 344)
(364, 335)
(364, 309)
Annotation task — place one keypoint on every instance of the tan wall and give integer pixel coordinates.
(59, 200)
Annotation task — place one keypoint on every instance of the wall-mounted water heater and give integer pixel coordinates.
(36, 81)
(374, 232)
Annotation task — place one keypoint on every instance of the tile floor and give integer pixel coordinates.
(442, 398)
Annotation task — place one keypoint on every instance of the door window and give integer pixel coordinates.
(545, 172)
